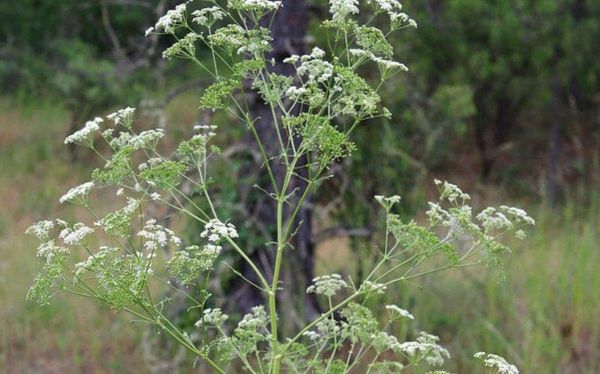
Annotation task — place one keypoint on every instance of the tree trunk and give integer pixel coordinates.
(495, 119)
(552, 187)
(289, 34)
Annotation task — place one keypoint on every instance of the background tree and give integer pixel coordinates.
(289, 32)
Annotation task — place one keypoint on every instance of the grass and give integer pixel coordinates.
(545, 317)
(71, 336)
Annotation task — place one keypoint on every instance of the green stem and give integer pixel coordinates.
(276, 360)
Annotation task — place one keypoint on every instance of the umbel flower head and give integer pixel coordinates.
(169, 22)
(84, 135)
(78, 194)
(75, 235)
(397, 312)
(426, 347)
(327, 285)
(156, 236)
(260, 6)
(215, 230)
(208, 16)
(342, 9)
(41, 229)
(498, 363)
(212, 316)
(123, 117)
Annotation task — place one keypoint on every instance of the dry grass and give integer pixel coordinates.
(72, 335)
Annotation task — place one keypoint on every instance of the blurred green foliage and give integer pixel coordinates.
(490, 83)
(487, 79)
(525, 63)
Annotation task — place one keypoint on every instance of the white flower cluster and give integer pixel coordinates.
(211, 250)
(183, 48)
(451, 192)
(49, 249)
(316, 71)
(314, 66)
(426, 347)
(397, 311)
(496, 362)
(256, 319)
(437, 214)
(393, 9)
(231, 36)
(206, 127)
(254, 46)
(389, 64)
(74, 235)
(118, 223)
(155, 196)
(341, 9)
(145, 139)
(212, 316)
(387, 5)
(188, 264)
(296, 93)
(215, 230)
(456, 219)
(328, 327)
(491, 220)
(41, 229)
(169, 21)
(387, 202)
(131, 207)
(82, 136)
(156, 236)
(507, 218)
(207, 255)
(291, 60)
(208, 16)
(263, 4)
(122, 117)
(312, 335)
(368, 287)
(151, 162)
(386, 64)
(518, 215)
(327, 285)
(382, 341)
(255, 5)
(78, 194)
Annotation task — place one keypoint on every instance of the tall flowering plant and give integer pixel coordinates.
(113, 258)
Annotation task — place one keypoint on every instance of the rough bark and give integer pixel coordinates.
(289, 33)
